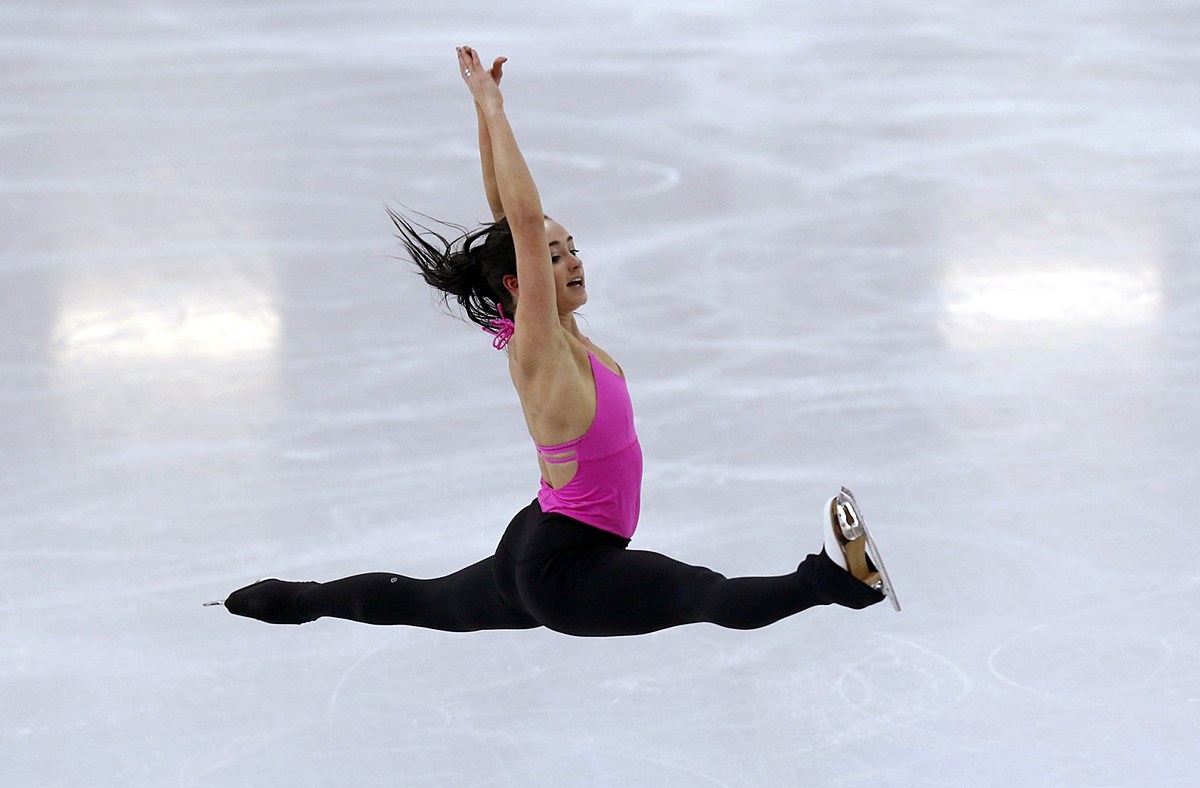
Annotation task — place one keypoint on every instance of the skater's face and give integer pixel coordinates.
(569, 285)
(567, 267)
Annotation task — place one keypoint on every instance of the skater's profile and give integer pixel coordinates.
(563, 561)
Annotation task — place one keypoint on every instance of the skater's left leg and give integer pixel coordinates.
(465, 601)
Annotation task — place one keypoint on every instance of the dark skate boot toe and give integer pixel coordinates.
(272, 601)
(843, 588)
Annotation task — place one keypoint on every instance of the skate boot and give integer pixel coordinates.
(270, 600)
(849, 544)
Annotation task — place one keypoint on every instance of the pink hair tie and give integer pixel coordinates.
(501, 328)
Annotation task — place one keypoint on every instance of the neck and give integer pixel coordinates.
(567, 321)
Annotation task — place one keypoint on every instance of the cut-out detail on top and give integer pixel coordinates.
(558, 455)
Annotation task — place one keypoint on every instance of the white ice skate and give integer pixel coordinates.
(849, 544)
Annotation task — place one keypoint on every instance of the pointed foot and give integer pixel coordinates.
(272, 601)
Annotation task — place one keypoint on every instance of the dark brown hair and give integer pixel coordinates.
(471, 268)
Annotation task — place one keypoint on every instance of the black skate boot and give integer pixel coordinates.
(273, 601)
(837, 586)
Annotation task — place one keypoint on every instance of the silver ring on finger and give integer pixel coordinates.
(467, 73)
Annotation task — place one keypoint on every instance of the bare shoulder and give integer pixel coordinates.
(604, 357)
(545, 354)
(553, 381)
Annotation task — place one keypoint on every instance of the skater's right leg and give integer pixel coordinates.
(606, 590)
(466, 601)
(583, 581)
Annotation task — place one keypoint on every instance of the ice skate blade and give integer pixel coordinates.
(848, 521)
(850, 518)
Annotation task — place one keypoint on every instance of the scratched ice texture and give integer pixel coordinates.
(944, 253)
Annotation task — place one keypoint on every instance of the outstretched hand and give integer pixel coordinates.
(483, 83)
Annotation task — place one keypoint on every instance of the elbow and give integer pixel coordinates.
(525, 216)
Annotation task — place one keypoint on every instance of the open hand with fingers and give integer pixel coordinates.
(484, 83)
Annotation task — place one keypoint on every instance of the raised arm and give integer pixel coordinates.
(537, 306)
(485, 149)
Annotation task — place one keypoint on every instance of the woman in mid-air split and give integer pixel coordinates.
(563, 562)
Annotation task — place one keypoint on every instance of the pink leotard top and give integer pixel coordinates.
(606, 491)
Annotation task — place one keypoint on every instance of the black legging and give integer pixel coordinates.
(551, 570)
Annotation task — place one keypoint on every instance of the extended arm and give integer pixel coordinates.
(537, 309)
(485, 150)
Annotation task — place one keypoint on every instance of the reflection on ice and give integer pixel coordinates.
(200, 338)
(226, 319)
(197, 330)
(1002, 308)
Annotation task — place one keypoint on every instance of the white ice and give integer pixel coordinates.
(943, 253)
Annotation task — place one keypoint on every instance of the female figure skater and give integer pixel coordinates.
(563, 561)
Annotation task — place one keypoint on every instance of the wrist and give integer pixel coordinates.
(491, 107)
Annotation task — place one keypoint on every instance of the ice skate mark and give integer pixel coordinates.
(637, 177)
(1143, 676)
(869, 701)
(348, 672)
(1081, 760)
(248, 749)
(509, 777)
(692, 774)
(335, 694)
(660, 178)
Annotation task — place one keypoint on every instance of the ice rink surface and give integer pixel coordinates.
(944, 253)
